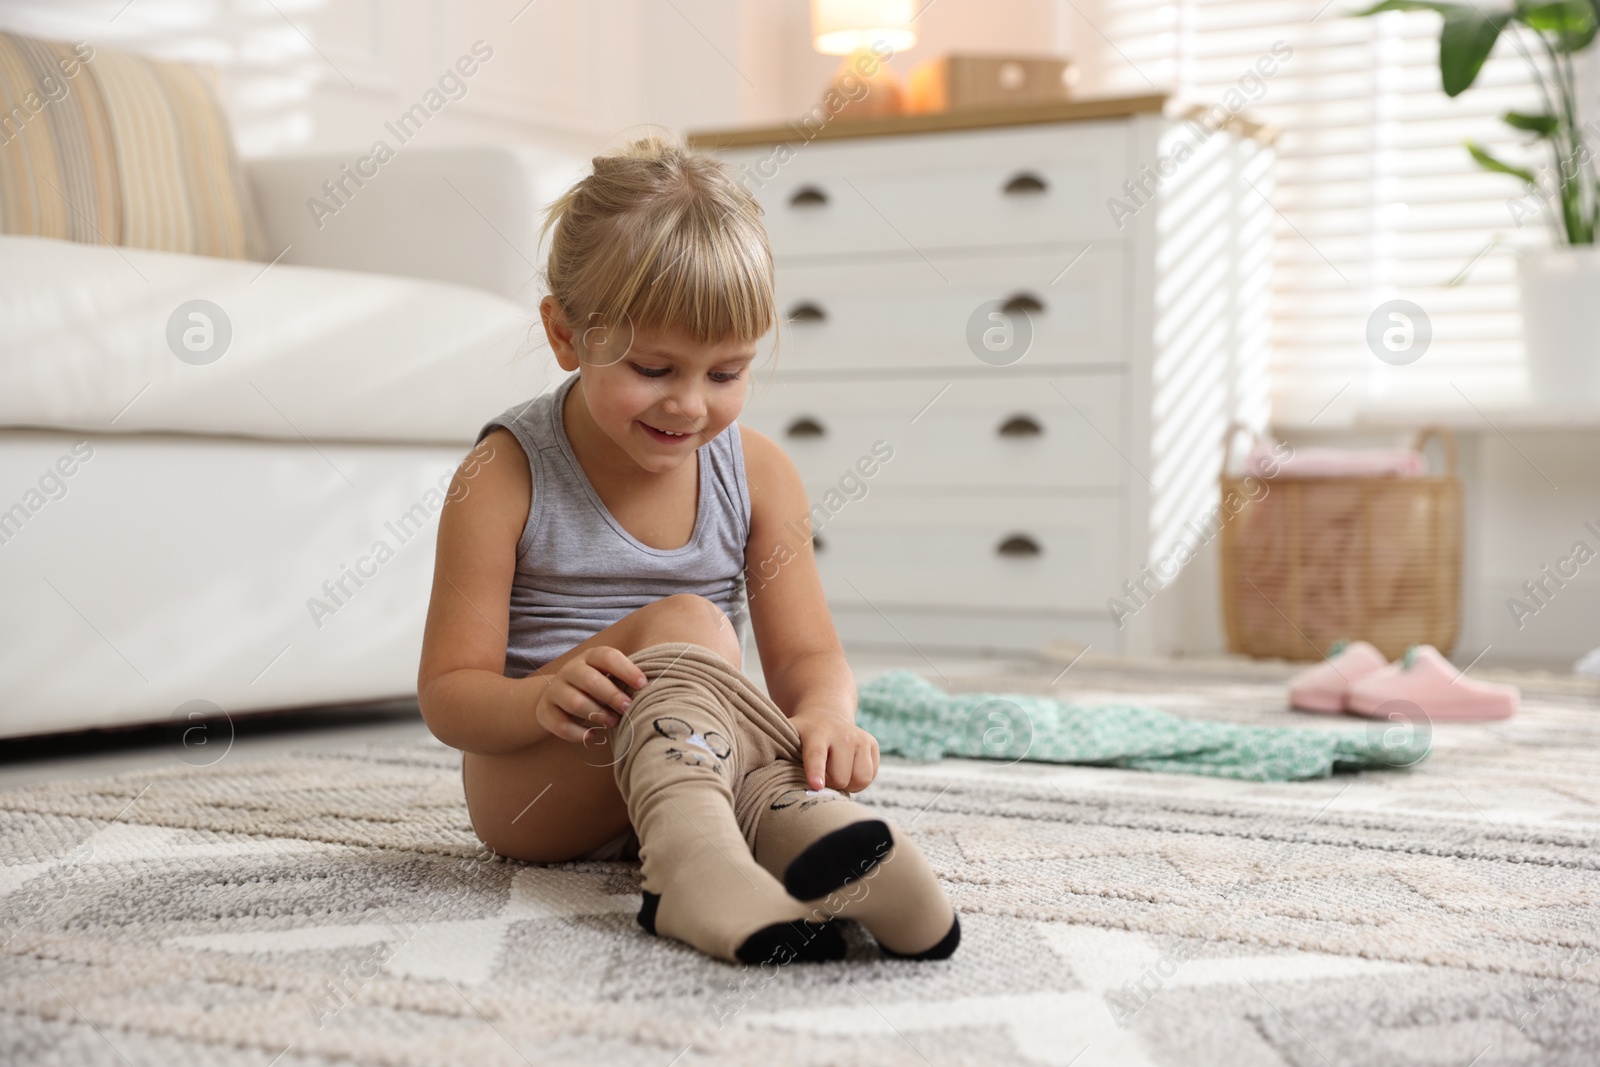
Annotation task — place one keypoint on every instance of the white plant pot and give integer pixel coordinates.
(1561, 324)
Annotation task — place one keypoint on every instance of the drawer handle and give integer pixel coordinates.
(1024, 302)
(1018, 545)
(805, 426)
(1026, 183)
(807, 312)
(1021, 426)
(808, 196)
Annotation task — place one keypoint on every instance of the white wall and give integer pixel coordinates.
(570, 75)
(326, 74)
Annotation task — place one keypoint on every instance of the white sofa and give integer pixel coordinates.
(174, 531)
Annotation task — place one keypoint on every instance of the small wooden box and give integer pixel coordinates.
(966, 83)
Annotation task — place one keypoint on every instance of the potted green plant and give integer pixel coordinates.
(1560, 285)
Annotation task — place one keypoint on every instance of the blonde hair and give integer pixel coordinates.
(659, 236)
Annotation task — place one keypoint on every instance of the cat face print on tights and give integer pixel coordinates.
(709, 749)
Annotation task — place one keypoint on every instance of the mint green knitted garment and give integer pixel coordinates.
(911, 717)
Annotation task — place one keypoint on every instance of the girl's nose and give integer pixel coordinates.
(686, 404)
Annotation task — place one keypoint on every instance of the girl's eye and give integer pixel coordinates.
(649, 372)
(725, 376)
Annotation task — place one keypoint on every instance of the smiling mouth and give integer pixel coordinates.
(666, 435)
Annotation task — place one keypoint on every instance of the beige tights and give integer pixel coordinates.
(740, 860)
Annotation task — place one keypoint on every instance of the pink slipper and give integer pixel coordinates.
(1426, 679)
(1325, 686)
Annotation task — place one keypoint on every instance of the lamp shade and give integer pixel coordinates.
(840, 27)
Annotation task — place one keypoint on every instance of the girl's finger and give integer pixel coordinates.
(613, 662)
(863, 774)
(814, 758)
(591, 712)
(582, 730)
(582, 708)
(840, 760)
(568, 728)
(601, 690)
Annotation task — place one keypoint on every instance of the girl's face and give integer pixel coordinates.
(658, 395)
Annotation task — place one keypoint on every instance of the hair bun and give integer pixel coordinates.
(651, 145)
(651, 150)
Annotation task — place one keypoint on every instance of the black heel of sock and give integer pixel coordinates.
(800, 941)
(942, 951)
(647, 910)
(836, 859)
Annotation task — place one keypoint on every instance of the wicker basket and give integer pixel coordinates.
(1308, 561)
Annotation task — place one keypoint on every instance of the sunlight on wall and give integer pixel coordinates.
(1215, 222)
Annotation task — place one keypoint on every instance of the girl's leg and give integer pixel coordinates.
(557, 800)
(685, 745)
(846, 860)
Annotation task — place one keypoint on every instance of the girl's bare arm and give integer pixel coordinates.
(466, 700)
(804, 664)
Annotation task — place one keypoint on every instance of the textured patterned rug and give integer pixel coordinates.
(333, 907)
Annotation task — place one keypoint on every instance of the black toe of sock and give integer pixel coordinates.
(647, 910)
(835, 860)
(941, 951)
(801, 941)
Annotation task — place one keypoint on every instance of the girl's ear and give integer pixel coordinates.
(558, 333)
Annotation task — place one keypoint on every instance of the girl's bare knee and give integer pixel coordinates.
(687, 617)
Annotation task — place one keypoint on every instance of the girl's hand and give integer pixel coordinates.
(581, 695)
(836, 753)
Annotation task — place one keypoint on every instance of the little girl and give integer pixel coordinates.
(584, 635)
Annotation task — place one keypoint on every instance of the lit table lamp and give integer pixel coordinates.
(868, 33)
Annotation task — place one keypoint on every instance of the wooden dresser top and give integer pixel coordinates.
(1106, 107)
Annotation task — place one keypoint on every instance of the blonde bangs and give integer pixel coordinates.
(660, 237)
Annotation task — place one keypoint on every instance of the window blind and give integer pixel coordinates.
(1376, 197)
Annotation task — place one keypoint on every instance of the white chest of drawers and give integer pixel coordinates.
(1052, 372)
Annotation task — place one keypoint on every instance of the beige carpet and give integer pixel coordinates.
(331, 907)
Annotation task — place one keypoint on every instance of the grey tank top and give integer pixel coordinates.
(578, 571)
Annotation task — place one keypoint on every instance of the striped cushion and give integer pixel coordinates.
(108, 147)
